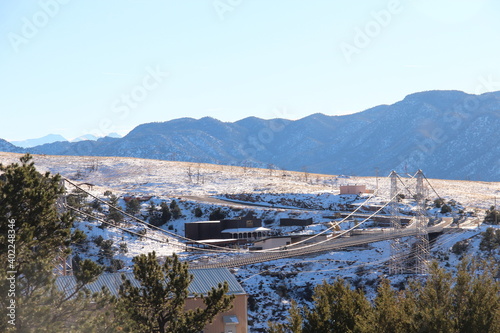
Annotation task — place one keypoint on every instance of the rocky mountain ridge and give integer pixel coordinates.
(448, 134)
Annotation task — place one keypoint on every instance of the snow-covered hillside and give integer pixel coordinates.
(169, 179)
(274, 194)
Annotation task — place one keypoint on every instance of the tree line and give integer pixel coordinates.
(468, 302)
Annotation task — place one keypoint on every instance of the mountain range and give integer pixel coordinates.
(9, 147)
(447, 134)
(51, 138)
(92, 137)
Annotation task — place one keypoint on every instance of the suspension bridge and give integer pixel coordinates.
(335, 244)
(227, 257)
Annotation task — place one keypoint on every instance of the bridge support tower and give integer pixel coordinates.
(396, 263)
(422, 252)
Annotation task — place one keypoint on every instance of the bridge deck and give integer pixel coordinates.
(334, 244)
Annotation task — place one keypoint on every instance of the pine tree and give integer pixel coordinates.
(476, 297)
(439, 202)
(198, 212)
(490, 240)
(175, 209)
(107, 251)
(114, 214)
(151, 208)
(217, 214)
(492, 216)
(31, 224)
(391, 310)
(154, 216)
(166, 215)
(294, 324)
(76, 198)
(158, 305)
(434, 301)
(445, 209)
(337, 308)
(133, 206)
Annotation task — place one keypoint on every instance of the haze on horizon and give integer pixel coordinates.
(74, 67)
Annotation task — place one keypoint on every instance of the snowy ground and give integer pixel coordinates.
(168, 179)
(271, 285)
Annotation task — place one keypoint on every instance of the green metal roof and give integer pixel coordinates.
(204, 280)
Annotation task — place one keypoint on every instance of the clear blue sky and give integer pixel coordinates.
(94, 66)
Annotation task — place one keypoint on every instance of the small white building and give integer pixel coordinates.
(246, 233)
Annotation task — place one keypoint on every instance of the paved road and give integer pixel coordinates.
(212, 200)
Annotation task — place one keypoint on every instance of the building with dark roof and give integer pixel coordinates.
(236, 229)
(290, 222)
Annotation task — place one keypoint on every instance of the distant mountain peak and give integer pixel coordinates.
(85, 137)
(114, 135)
(50, 138)
(436, 95)
(209, 120)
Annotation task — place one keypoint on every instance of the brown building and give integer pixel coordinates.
(353, 189)
(232, 321)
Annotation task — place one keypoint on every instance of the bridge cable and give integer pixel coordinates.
(147, 224)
